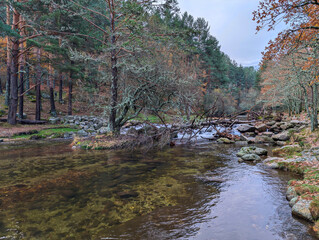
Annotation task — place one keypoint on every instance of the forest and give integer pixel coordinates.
(116, 59)
(126, 119)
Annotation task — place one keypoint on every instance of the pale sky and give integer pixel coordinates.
(231, 23)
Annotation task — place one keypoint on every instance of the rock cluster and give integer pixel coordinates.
(251, 154)
(270, 132)
(89, 125)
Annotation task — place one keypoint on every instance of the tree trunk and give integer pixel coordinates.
(51, 84)
(70, 91)
(314, 117)
(114, 90)
(13, 104)
(27, 75)
(60, 88)
(38, 88)
(21, 73)
(7, 96)
(1, 90)
(21, 88)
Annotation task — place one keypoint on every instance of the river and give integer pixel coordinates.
(50, 191)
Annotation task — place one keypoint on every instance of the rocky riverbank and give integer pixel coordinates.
(303, 195)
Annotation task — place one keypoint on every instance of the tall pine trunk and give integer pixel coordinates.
(60, 88)
(13, 104)
(38, 87)
(70, 112)
(114, 88)
(51, 83)
(7, 96)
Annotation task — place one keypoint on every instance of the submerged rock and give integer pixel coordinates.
(207, 179)
(301, 209)
(127, 194)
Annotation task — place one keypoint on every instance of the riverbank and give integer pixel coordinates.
(303, 195)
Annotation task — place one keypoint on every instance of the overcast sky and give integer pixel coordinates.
(231, 23)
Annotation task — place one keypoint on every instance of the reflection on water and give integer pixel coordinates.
(52, 192)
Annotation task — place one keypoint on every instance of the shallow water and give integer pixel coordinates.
(49, 191)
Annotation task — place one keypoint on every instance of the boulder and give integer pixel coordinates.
(261, 127)
(251, 157)
(54, 120)
(103, 130)
(82, 133)
(293, 201)
(268, 134)
(225, 141)
(280, 143)
(291, 193)
(264, 139)
(272, 162)
(286, 126)
(251, 150)
(271, 123)
(301, 209)
(286, 150)
(284, 136)
(246, 128)
(296, 122)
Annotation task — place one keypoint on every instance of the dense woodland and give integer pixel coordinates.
(117, 58)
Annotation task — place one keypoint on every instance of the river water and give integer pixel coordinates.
(49, 191)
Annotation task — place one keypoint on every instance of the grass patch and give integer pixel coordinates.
(52, 133)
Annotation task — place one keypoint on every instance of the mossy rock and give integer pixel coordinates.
(289, 150)
(225, 141)
(314, 209)
(251, 150)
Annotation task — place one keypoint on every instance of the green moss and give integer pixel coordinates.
(52, 133)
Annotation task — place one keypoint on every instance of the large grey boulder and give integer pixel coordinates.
(301, 209)
(246, 128)
(284, 136)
